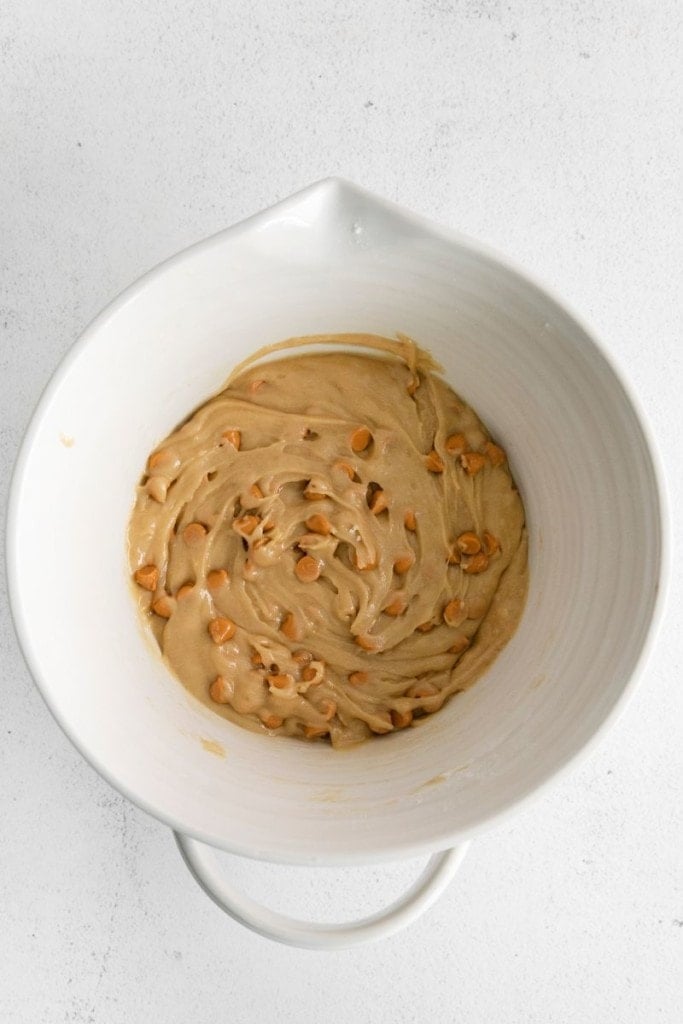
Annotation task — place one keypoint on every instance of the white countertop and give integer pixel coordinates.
(551, 131)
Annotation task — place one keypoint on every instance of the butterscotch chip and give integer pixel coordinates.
(401, 719)
(161, 459)
(472, 462)
(328, 709)
(249, 570)
(360, 563)
(360, 439)
(490, 543)
(216, 579)
(403, 562)
(456, 444)
(157, 488)
(381, 723)
(476, 608)
(291, 627)
(409, 521)
(280, 680)
(147, 577)
(318, 523)
(496, 455)
(473, 564)
(246, 525)
(308, 569)
(313, 732)
(346, 468)
(453, 554)
(310, 494)
(397, 605)
(184, 591)
(232, 437)
(164, 607)
(460, 644)
(221, 629)
(454, 612)
(378, 503)
(309, 540)
(358, 678)
(220, 691)
(194, 533)
(369, 643)
(434, 462)
(421, 690)
(469, 543)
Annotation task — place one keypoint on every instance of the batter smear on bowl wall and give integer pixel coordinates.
(332, 546)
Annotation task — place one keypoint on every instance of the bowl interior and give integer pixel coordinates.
(334, 259)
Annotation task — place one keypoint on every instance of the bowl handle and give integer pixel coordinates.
(439, 870)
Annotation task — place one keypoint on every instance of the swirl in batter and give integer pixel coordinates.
(332, 546)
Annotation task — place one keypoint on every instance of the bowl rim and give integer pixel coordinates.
(341, 188)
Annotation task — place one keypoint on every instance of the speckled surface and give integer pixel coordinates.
(551, 131)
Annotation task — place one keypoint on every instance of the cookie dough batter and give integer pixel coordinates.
(333, 545)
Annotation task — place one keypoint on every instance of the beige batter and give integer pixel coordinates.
(332, 546)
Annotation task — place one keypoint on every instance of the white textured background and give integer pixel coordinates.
(551, 130)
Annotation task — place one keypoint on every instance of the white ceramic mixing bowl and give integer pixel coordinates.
(332, 259)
